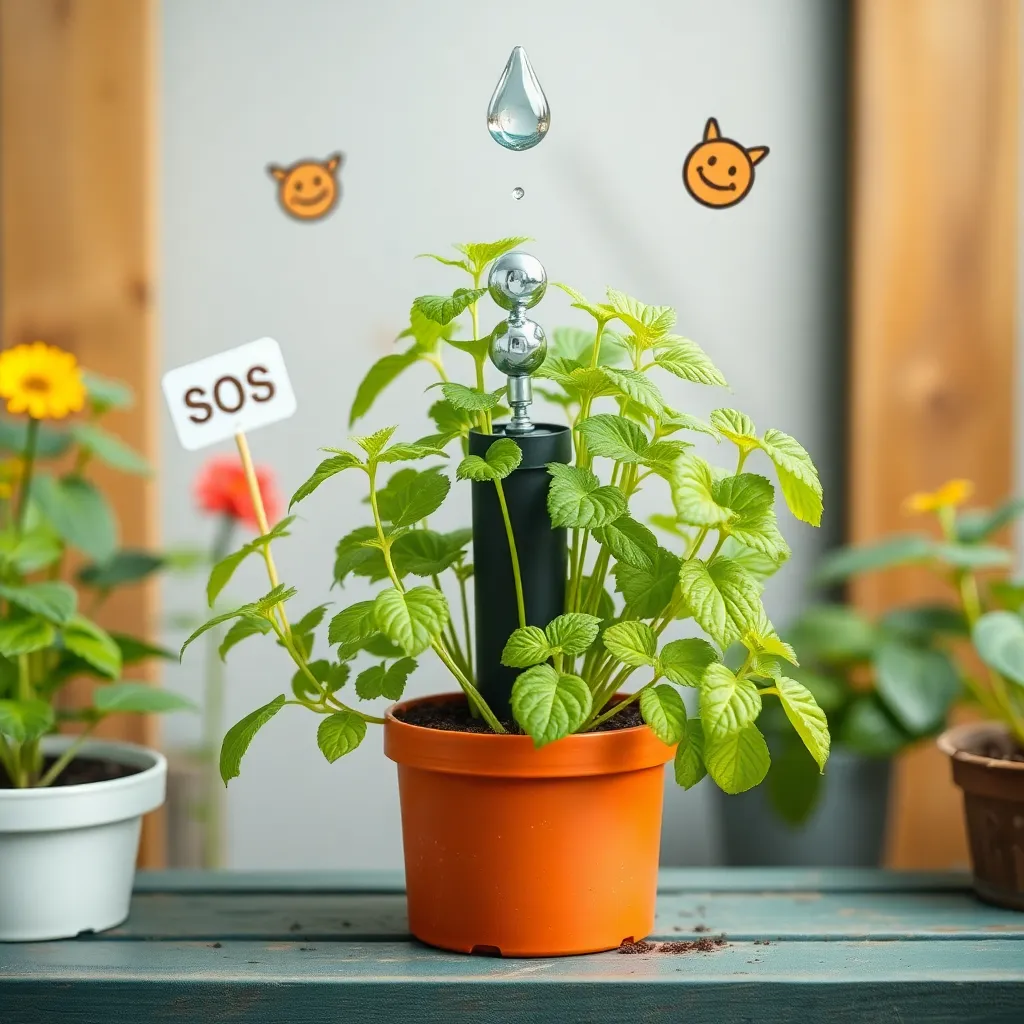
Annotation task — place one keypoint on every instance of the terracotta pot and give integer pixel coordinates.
(994, 805)
(514, 851)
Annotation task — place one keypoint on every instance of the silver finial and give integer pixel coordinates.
(517, 279)
(518, 345)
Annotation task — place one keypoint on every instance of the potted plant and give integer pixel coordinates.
(70, 806)
(867, 677)
(531, 815)
(936, 666)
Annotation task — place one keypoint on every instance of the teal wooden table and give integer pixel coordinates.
(782, 945)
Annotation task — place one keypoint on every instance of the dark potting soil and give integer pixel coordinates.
(1001, 749)
(454, 716)
(696, 946)
(82, 770)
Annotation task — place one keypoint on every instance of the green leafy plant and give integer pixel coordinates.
(920, 654)
(48, 508)
(723, 543)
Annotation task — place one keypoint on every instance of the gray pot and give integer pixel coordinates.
(845, 829)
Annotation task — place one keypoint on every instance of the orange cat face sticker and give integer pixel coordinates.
(308, 189)
(719, 172)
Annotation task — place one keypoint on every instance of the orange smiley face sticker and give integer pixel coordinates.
(308, 189)
(719, 172)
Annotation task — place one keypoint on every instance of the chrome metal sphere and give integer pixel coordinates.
(517, 279)
(518, 348)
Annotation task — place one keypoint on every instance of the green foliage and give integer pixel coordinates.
(647, 592)
(889, 553)
(629, 542)
(329, 467)
(105, 393)
(918, 685)
(411, 619)
(633, 643)
(500, 459)
(378, 377)
(24, 721)
(723, 543)
(999, 639)
(686, 359)
(109, 449)
(570, 634)
(467, 399)
(723, 598)
(78, 512)
(443, 309)
(25, 636)
(126, 566)
(240, 735)
(139, 698)
(385, 680)
(549, 704)
(738, 760)
(54, 600)
(664, 711)
(221, 573)
(577, 498)
(806, 718)
(688, 766)
(340, 734)
(684, 662)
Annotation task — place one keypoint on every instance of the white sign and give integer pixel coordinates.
(232, 392)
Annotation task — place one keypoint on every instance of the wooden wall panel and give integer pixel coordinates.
(76, 234)
(934, 234)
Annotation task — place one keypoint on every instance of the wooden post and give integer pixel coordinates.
(76, 237)
(932, 363)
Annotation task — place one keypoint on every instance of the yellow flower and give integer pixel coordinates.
(951, 494)
(42, 380)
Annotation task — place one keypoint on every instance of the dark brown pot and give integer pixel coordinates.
(994, 805)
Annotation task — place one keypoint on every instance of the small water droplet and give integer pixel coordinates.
(518, 116)
(518, 193)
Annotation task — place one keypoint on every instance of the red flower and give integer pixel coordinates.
(221, 487)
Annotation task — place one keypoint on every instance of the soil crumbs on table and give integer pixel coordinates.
(454, 716)
(80, 771)
(706, 945)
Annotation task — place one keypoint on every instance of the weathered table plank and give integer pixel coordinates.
(848, 947)
(744, 917)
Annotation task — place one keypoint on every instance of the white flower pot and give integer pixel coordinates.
(67, 853)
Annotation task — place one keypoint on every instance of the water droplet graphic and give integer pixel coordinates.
(518, 193)
(518, 116)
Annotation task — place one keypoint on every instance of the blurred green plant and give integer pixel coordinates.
(889, 683)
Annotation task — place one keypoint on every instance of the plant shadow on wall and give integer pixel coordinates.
(722, 543)
(50, 508)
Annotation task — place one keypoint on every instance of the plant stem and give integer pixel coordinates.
(520, 603)
(67, 757)
(465, 625)
(624, 703)
(29, 459)
(261, 521)
(25, 691)
(595, 357)
(437, 644)
(457, 654)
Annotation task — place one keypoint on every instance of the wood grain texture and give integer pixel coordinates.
(76, 240)
(845, 946)
(933, 276)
